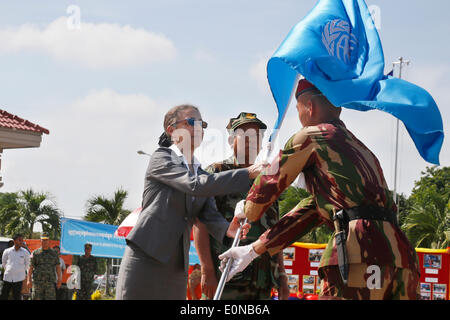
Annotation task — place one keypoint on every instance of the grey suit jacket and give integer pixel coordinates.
(169, 209)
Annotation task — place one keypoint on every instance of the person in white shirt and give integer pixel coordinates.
(15, 262)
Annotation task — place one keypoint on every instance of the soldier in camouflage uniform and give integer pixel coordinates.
(44, 261)
(340, 173)
(255, 282)
(88, 269)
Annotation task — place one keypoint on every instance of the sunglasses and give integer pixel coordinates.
(192, 122)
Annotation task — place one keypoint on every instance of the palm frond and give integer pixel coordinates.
(109, 211)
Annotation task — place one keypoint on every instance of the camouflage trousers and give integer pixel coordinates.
(245, 293)
(44, 290)
(86, 291)
(394, 283)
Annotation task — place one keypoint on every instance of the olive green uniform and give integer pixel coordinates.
(258, 279)
(44, 264)
(88, 269)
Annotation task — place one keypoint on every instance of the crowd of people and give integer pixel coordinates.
(40, 272)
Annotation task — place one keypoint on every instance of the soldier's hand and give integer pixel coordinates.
(58, 284)
(234, 227)
(242, 257)
(239, 211)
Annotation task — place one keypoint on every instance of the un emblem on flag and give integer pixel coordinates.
(339, 40)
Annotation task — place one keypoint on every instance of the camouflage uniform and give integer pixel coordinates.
(258, 279)
(88, 268)
(340, 172)
(44, 263)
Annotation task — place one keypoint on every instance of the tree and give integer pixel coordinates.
(290, 198)
(434, 176)
(109, 211)
(405, 207)
(428, 223)
(20, 213)
(8, 207)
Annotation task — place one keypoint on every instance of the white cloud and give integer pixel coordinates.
(258, 72)
(101, 45)
(204, 56)
(91, 150)
(104, 123)
(107, 101)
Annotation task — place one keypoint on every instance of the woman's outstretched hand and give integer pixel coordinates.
(255, 169)
(234, 227)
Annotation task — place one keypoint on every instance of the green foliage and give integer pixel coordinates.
(405, 206)
(434, 176)
(8, 208)
(19, 212)
(290, 198)
(428, 223)
(109, 211)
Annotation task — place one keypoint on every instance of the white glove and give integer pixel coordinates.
(239, 211)
(242, 257)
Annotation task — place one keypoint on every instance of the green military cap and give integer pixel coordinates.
(245, 117)
(44, 236)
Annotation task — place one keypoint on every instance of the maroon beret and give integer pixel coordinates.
(303, 86)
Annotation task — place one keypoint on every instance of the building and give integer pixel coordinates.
(16, 133)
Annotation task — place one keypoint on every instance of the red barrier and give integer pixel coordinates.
(434, 273)
(301, 261)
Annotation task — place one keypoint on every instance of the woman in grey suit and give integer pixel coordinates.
(177, 194)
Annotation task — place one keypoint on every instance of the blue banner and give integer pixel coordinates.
(76, 233)
(193, 255)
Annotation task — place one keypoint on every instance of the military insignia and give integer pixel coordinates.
(339, 40)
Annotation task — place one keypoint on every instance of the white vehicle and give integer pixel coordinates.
(4, 244)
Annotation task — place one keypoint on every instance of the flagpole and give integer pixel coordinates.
(400, 62)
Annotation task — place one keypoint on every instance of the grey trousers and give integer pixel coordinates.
(142, 277)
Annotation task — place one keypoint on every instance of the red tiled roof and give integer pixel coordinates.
(10, 121)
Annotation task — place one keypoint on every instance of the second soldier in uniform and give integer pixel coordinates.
(41, 274)
(265, 273)
(88, 269)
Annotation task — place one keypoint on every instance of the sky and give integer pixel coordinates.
(100, 75)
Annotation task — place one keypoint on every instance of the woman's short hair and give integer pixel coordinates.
(172, 115)
(171, 118)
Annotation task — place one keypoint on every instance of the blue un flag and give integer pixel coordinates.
(337, 48)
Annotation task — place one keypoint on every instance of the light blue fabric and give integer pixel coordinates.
(75, 233)
(337, 48)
